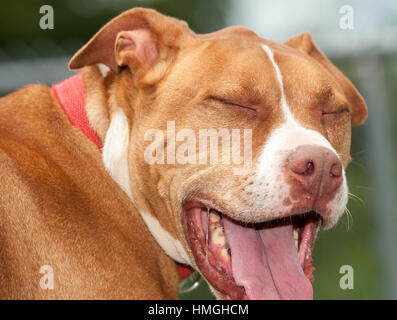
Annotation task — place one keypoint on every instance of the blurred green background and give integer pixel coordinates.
(367, 54)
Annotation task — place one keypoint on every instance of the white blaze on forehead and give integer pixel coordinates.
(283, 140)
(283, 101)
(291, 132)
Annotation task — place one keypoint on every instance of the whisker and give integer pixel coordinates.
(353, 196)
(358, 164)
(349, 216)
(359, 152)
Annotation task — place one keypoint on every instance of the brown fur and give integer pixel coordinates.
(60, 207)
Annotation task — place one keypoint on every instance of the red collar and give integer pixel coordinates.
(70, 94)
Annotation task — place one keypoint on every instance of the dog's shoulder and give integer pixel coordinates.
(32, 95)
(29, 112)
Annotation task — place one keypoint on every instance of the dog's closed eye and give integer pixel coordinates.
(231, 103)
(336, 112)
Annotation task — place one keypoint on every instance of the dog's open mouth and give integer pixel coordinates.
(270, 260)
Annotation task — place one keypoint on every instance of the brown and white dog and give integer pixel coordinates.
(112, 224)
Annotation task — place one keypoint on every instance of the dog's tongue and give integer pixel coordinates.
(265, 262)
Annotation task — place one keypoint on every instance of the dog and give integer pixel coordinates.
(106, 185)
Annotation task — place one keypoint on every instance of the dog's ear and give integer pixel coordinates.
(138, 38)
(358, 109)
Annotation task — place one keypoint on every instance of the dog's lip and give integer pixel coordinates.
(218, 204)
(194, 236)
(213, 204)
(307, 236)
(198, 203)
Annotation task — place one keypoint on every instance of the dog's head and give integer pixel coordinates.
(233, 148)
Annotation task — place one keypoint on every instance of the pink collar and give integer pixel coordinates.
(70, 94)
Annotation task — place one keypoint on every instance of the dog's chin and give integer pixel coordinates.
(269, 260)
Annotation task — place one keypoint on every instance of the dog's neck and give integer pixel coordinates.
(104, 97)
(110, 117)
(109, 98)
(70, 94)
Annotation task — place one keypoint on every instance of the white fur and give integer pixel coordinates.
(283, 102)
(269, 181)
(168, 243)
(103, 69)
(115, 151)
(115, 159)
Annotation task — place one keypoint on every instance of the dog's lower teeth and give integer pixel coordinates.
(224, 253)
(216, 230)
(217, 236)
(296, 238)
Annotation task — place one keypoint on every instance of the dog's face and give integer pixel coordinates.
(245, 215)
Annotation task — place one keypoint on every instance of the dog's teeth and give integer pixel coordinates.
(217, 240)
(296, 238)
(217, 235)
(214, 216)
(216, 230)
(224, 254)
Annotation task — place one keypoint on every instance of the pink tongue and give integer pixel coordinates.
(265, 262)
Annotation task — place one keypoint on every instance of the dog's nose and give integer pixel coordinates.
(317, 169)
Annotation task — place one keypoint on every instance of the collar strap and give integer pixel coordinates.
(70, 94)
